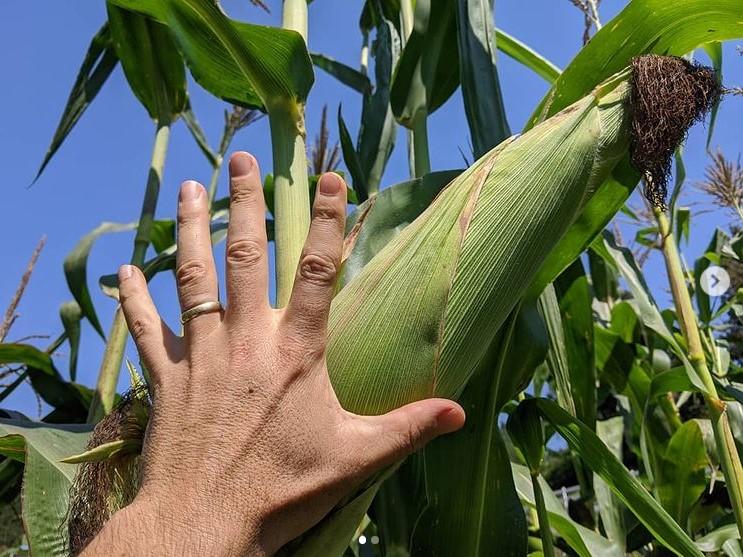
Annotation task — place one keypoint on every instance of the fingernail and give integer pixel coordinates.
(330, 183)
(190, 190)
(241, 164)
(125, 271)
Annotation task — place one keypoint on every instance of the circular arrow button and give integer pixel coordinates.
(715, 280)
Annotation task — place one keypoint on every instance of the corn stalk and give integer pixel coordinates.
(291, 193)
(727, 451)
(108, 375)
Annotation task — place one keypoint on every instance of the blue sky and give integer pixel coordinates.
(100, 172)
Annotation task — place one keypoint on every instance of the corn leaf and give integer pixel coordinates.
(611, 509)
(714, 51)
(574, 299)
(623, 261)
(483, 98)
(45, 379)
(71, 315)
(345, 74)
(76, 270)
(681, 479)
(351, 158)
(151, 63)
(377, 221)
(590, 448)
(46, 481)
(585, 542)
(428, 71)
(377, 131)
(526, 56)
(189, 118)
(249, 65)
(479, 509)
(643, 26)
(100, 60)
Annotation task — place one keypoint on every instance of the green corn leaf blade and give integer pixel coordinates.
(343, 73)
(570, 357)
(614, 357)
(643, 26)
(245, 64)
(162, 235)
(377, 221)
(714, 540)
(604, 279)
(585, 542)
(477, 509)
(189, 118)
(611, 509)
(526, 431)
(44, 377)
(573, 293)
(481, 91)
(674, 380)
(71, 315)
(526, 56)
(76, 270)
(151, 62)
(678, 181)
(105, 451)
(682, 225)
(623, 261)
(100, 60)
(13, 353)
(351, 158)
(46, 480)
(682, 480)
(428, 71)
(377, 131)
(331, 537)
(398, 505)
(590, 448)
(714, 51)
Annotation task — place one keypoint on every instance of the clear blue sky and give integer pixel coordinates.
(99, 173)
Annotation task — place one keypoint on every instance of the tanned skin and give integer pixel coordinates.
(248, 446)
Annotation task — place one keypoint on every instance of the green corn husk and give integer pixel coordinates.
(419, 317)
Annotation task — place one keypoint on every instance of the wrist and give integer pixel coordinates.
(164, 528)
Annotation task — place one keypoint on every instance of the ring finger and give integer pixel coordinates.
(195, 273)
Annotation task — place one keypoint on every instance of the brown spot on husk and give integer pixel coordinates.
(102, 488)
(669, 94)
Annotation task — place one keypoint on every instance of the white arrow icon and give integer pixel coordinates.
(715, 280)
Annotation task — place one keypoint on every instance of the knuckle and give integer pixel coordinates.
(411, 438)
(241, 192)
(189, 217)
(190, 272)
(327, 213)
(318, 269)
(244, 253)
(140, 328)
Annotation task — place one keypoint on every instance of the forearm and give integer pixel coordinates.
(142, 529)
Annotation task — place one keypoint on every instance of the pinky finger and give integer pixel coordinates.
(156, 343)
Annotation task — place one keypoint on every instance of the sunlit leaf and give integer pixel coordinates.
(100, 60)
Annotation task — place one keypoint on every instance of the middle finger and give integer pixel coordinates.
(195, 272)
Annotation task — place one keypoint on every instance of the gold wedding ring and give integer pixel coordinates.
(206, 307)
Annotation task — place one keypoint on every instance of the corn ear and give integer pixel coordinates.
(415, 322)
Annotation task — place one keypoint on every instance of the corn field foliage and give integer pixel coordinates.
(599, 423)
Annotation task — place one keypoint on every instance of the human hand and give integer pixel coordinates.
(248, 446)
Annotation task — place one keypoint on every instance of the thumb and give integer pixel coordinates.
(408, 429)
